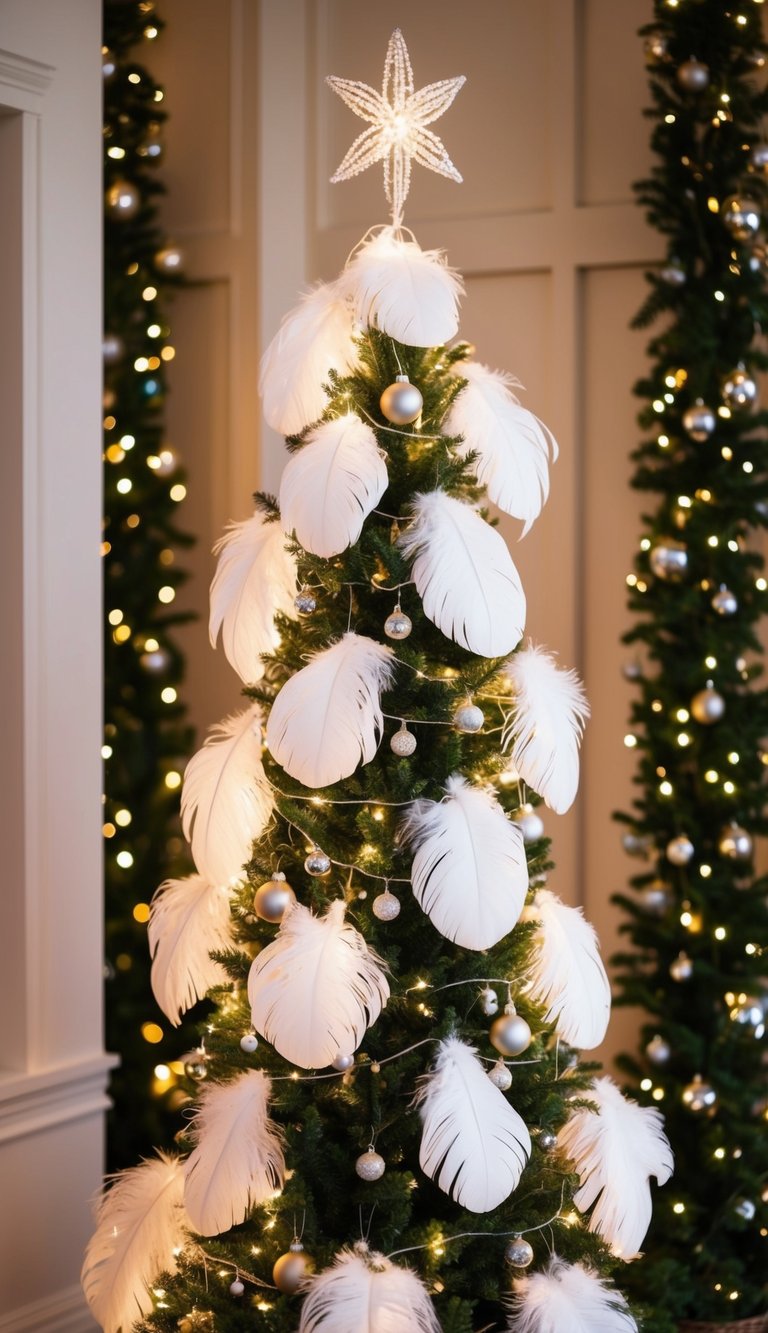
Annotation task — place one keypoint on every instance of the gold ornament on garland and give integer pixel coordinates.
(272, 900)
(291, 1269)
(708, 706)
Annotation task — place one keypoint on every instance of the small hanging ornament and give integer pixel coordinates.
(291, 1269)
(317, 863)
(748, 1013)
(156, 662)
(196, 1065)
(708, 706)
(655, 898)
(669, 559)
(108, 63)
(305, 602)
(699, 1096)
(693, 75)
(403, 742)
(468, 717)
(123, 200)
(699, 421)
(655, 48)
(170, 259)
(739, 388)
(531, 824)
(757, 261)
(500, 1076)
(658, 1050)
(741, 215)
(681, 968)
(519, 1254)
(673, 273)
(734, 843)
(370, 1165)
(725, 602)
(401, 402)
(547, 1141)
(759, 157)
(236, 1288)
(167, 462)
(636, 844)
(632, 669)
(386, 907)
(112, 348)
(489, 1001)
(745, 1208)
(249, 1043)
(342, 1062)
(680, 850)
(510, 1034)
(271, 900)
(398, 625)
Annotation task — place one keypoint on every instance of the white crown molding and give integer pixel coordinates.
(30, 1102)
(65, 1311)
(17, 71)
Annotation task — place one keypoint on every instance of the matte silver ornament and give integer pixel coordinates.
(112, 348)
(531, 824)
(317, 863)
(699, 1096)
(681, 968)
(236, 1288)
(291, 1269)
(547, 1141)
(725, 602)
(658, 1050)
(489, 1001)
(632, 670)
(403, 742)
(510, 1034)
(170, 259)
(156, 662)
(673, 273)
(249, 1043)
(370, 1165)
(636, 844)
(196, 1065)
(739, 389)
(519, 1254)
(342, 1062)
(669, 559)
(271, 900)
(500, 1076)
(699, 421)
(680, 850)
(386, 907)
(655, 898)
(741, 215)
(745, 1208)
(468, 718)
(398, 625)
(123, 199)
(305, 602)
(693, 75)
(708, 706)
(401, 402)
(734, 843)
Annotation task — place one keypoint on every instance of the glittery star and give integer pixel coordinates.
(398, 133)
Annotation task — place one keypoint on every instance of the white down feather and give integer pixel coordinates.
(512, 447)
(615, 1150)
(568, 1298)
(464, 575)
(189, 920)
(327, 719)
(255, 580)
(405, 291)
(567, 973)
(226, 802)
(238, 1162)
(363, 1292)
(330, 485)
(469, 873)
(317, 988)
(474, 1145)
(314, 338)
(544, 732)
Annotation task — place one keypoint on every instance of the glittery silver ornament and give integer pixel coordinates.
(170, 259)
(739, 389)
(403, 742)
(518, 1253)
(342, 1062)
(236, 1288)
(510, 1034)
(693, 75)
(708, 706)
(370, 1165)
(658, 1050)
(156, 661)
(271, 900)
(655, 48)
(123, 199)
(401, 402)
(500, 1076)
(681, 968)
(669, 559)
(699, 1096)
(468, 717)
(725, 602)
(741, 215)
(317, 863)
(547, 1141)
(398, 625)
(291, 1269)
(680, 850)
(386, 907)
(673, 273)
(745, 1208)
(249, 1043)
(735, 843)
(196, 1065)
(530, 824)
(748, 1013)
(112, 348)
(699, 421)
(654, 898)
(305, 602)
(489, 1001)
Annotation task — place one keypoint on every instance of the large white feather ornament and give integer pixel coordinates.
(238, 1162)
(188, 921)
(615, 1150)
(317, 988)
(464, 575)
(139, 1224)
(512, 446)
(363, 1292)
(331, 484)
(226, 801)
(474, 1145)
(545, 729)
(469, 873)
(405, 291)
(314, 338)
(568, 1298)
(255, 579)
(567, 972)
(327, 719)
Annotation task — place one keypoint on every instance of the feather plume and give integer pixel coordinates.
(474, 1145)
(138, 1226)
(331, 484)
(327, 719)
(464, 575)
(469, 873)
(316, 988)
(254, 580)
(615, 1149)
(188, 921)
(567, 972)
(546, 726)
(313, 339)
(568, 1297)
(362, 1292)
(512, 446)
(226, 802)
(238, 1162)
(405, 291)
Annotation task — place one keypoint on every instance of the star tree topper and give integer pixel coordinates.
(398, 133)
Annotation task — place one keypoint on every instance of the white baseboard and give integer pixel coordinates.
(64, 1312)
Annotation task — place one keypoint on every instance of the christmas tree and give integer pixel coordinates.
(697, 921)
(392, 1128)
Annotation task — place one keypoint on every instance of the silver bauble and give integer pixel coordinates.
(741, 215)
(157, 661)
(398, 625)
(370, 1165)
(699, 1096)
(655, 48)
(655, 898)
(468, 718)
(196, 1065)
(680, 850)
(305, 602)
(271, 900)
(531, 824)
(342, 1062)
(725, 602)
(500, 1076)
(510, 1034)
(749, 1014)
(401, 402)
(123, 199)
(547, 1141)
(636, 844)
(489, 1001)
(632, 670)
(170, 259)
(745, 1208)
(759, 157)
(108, 63)
(403, 742)
(734, 843)
(693, 75)
(291, 1269)
(681, 968)
(519, 1253)
(112, 348)
(673, 273)
(739, 389)
(236, 1288)
(699, 421)
(669, 559)
(249, 1043)
(317, 863)
(707, 706)
(658, 1050)
(386, 907)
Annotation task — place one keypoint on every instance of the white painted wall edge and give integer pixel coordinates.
(32, 1102)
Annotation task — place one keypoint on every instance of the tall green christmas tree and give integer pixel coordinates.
(393, 1130)
(697, 920)
(146, 737)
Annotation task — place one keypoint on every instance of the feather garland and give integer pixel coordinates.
(469, 873)
(363, 1292)
(188, 921)
(255, 580)
(568, 1298)
(409, 293)
(546, 726)
(512, 447)
(327, 719)
(474, 1145)
(138, 1225)
(238, 1162)
(464, 575)
(226, 802)
(313, 339)
(331, 484)
(567, 972)
(615, 1150)
(317, 988)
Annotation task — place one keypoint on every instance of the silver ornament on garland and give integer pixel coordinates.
(386, 907)
(271, 900)
(658, 1050)
(734, 843)
(468, 718)
(669, 559)
(305, 602)
(370, 1165)
(398, 626)
(547, 1141)
(236, 1288)
(170, 259)
(519, 1254)
(632, 670)
(745, 1208)
(249, 1043)
(741, 215)
(725, 602)
(673, 273)
(636, 844)
(489, 1001)
(157, 661)
(699, 1096)
(196, 1065)
(500, 1076)
(655, 898)
(708, 706)
(401, 402)
(510, 1034)
(681, 968)
(342, 1062)
(112, 348)
(317, 863)
(108, 63)
(123, 199)
(739, 389)
(531, 824)
(693, 75)
(699, 421)
(748, 1012)
(403, 742)
(291, 1269)
(680, 850)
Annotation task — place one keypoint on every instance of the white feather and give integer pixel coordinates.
(313, 339)
(139, 1224)
(474, 1145)
(226, 801)
(567, 972)
(464, 575)
(469, 873)
(317, 988)
(568, 1298)
(513, 447)
(331, 484)
(238, 1162)
(255, 579)
(364, 1292)
(327, 719)
(545, 729)
(615, 1149)
(189, 920)
(409, 293)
